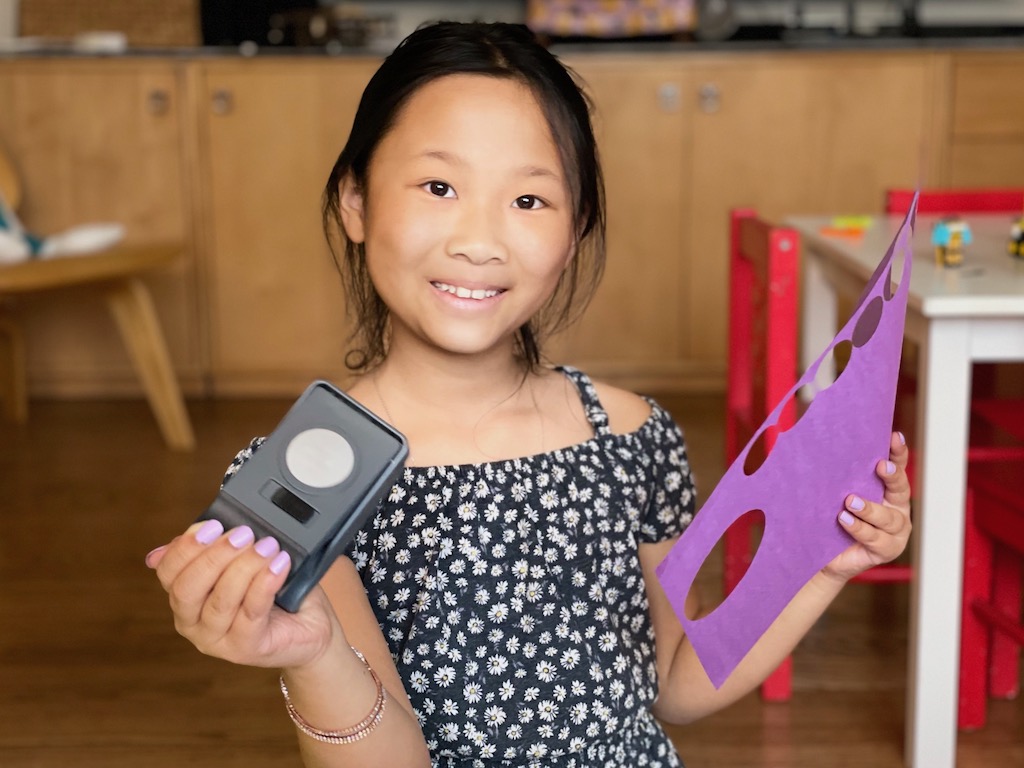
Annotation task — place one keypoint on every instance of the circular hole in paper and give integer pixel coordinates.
(739, 544)
(868, 321)
(319, 458)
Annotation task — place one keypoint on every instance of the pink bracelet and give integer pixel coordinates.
(347, 735)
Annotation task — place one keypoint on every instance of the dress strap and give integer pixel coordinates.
(596, 414)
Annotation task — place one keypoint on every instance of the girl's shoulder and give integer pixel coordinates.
(627, 411)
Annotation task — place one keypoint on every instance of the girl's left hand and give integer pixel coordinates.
(880, 530)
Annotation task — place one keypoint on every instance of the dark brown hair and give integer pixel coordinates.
(498, 50)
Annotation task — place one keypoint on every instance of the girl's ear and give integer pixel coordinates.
(351, 203)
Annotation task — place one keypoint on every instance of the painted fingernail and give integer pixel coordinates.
(267, 547)
(209, 531)
(152, 554)
(242, 536)
(856, 503)
(279, 563)
(903, 440)
(846, 518)
(890, 468)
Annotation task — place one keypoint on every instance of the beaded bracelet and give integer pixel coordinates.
(346, 735)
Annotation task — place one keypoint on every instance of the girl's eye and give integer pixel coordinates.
(439, 189)
(528, 202)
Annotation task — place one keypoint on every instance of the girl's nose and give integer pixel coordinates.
(477, 236)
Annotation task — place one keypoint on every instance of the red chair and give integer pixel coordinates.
(941, 201)
(764, 274)
(764, 277)
(991, 630)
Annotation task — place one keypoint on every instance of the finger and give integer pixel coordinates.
(259, 599)
(898, 450)
(226, 600)
(869, 522)
(897, 485)
(195, 582)
(184, 549)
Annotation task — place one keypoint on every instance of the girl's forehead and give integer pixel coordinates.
(490, 124)
(469, 103)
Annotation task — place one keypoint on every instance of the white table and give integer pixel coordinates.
(973, 313)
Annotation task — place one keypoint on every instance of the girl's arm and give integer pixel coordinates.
(336, 691)
(685, 692)
(221, 587)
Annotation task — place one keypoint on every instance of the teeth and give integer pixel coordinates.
(466, 293)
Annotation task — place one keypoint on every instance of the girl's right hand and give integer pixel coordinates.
(221, 587)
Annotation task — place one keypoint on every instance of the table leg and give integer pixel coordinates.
(818, 320)
(937, 543)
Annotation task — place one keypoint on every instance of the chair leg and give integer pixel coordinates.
(13, 388)
(974, 633)
(737, 552)
(778, 686)
(1004, 668)
(132, 307)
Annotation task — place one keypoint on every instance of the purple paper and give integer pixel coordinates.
(802, 484)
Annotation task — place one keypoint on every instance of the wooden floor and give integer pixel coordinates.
(92, 674)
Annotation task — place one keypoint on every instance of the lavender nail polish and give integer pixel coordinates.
(267, 547)
(242, 536)
(209, 531)
(846, 518)
(279, 563)
(890, 468)
(856, 503)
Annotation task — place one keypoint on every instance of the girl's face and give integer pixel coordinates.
(467, 218)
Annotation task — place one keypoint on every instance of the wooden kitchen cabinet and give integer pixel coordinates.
(96, 141)
(632, 332)
(987, 119)
(686, 138)
(231, 156)
(270, 130)
(785, 134)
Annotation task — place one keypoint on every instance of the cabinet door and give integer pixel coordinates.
(987, 142)
(271, 132)
(100, 141)
(791, 134)
(631, 332)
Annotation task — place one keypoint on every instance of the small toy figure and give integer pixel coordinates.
(1015, 245)
(950, 236)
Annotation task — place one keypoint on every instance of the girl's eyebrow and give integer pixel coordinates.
(450, 158)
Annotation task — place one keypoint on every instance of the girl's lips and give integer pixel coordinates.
(462, 292)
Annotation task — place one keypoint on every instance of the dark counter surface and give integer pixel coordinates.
(771, 40)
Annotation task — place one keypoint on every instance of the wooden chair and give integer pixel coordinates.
(115, 274)
(764, 283)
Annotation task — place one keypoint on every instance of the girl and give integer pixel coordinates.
(503, 599)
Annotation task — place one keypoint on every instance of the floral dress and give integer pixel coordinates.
(511, 596)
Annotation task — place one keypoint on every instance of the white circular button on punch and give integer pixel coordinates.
(319, 457)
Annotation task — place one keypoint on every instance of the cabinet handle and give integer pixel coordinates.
(222, 102)
(709, 98)
(158, 102)
(668, 97)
